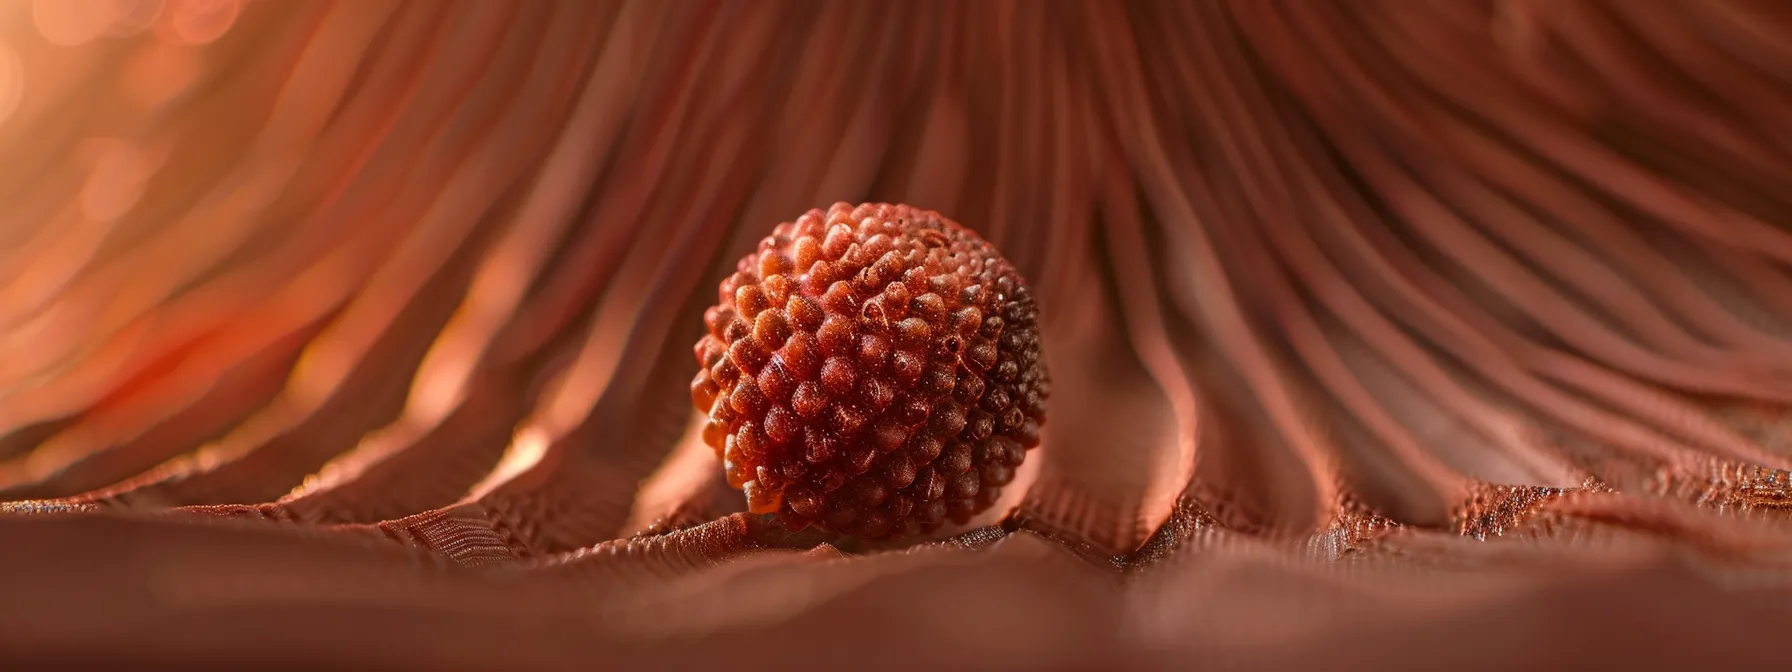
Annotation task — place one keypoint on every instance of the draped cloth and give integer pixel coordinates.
(356, 333)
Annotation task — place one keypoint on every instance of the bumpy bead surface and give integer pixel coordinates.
(872, 370)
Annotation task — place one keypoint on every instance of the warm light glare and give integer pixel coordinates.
(526, 449)
(12, 81)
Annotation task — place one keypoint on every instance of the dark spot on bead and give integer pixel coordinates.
(896, 300)
(950, 346)
(906, 368)
(973, 295)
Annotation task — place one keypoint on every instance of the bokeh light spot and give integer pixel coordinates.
(67, 23)
(202, 21)
(116, 183)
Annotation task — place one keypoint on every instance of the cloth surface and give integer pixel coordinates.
(357, 333)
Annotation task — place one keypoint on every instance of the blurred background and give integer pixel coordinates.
(358, 332)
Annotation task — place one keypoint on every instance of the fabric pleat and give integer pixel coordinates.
(1381, 332)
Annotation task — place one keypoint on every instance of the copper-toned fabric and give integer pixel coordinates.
(358, 333)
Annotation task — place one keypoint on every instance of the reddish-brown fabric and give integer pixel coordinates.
(357, 333)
